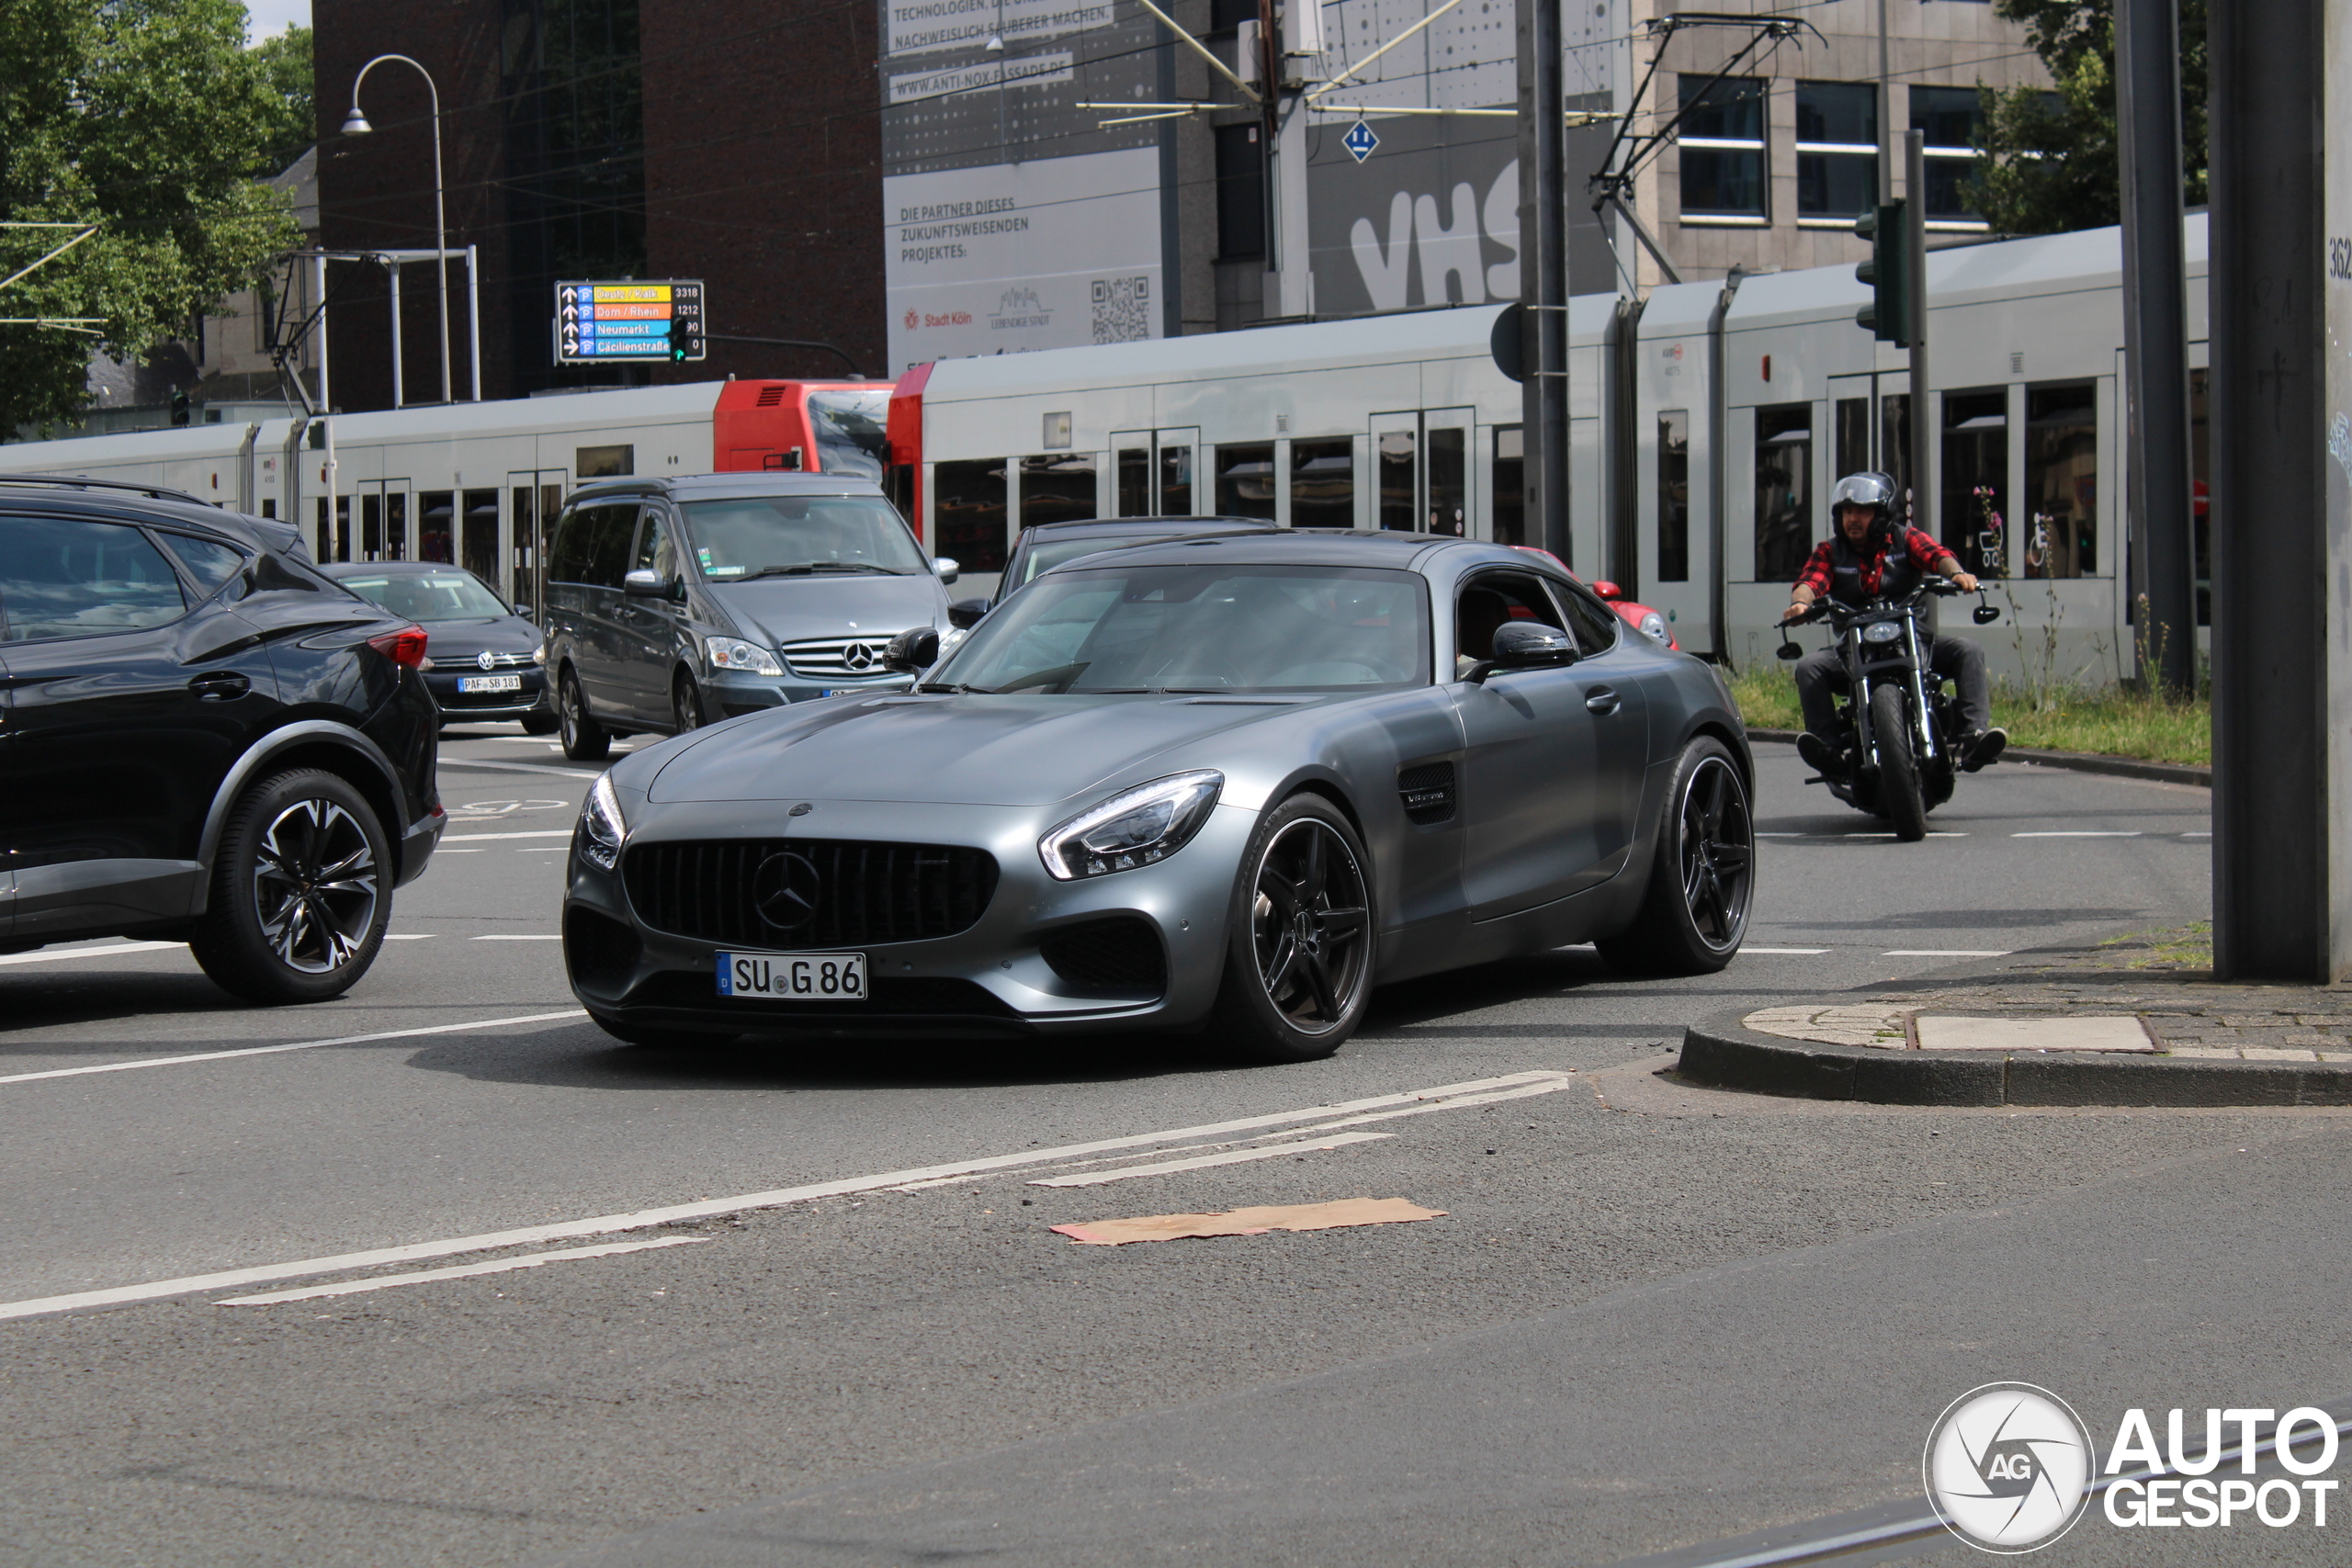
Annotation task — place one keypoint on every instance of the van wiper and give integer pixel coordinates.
(803, 568)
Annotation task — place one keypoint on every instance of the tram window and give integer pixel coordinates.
(1395, 480)
(603, 462)
(2058, 518)
(1854, 435)
(1245, 479)
(1323, 483)
(1134, 481)
(478, 539)
(1783, 490)
(1449, 498)
(1175, 482)
(969, 513)
(269, 507)
(1510, 487)
(1674, 496)
(436, 531)
(2201, 456)
(371, 527)
(1056, 488)
(1973, 515)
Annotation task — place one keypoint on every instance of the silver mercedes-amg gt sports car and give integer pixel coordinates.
(1222, 784)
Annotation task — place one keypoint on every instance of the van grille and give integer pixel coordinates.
(850, 657)
(861, 893)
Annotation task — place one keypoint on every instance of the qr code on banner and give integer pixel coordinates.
(1122, 310)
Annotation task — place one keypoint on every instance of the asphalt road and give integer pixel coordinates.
(1650, 1318)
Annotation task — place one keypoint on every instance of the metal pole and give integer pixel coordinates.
(398, 395)
(473, 319)
(326, 416)
(1885, 116)
(1544, 274)
(1923, 423)
(2156, 343)
(440, 214)
(2279, 900)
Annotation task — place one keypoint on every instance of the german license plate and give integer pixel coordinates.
(490, 683)
(793, 976)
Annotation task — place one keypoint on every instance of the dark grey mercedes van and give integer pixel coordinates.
(674, 603)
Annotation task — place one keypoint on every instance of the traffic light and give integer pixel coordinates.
(1888, 272)
(179, 408)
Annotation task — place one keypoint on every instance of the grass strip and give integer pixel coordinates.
(2113, 721)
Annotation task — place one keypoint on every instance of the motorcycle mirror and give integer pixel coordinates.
(1789, 651)
(1987, 614)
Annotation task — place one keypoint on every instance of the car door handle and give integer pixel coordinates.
(1602, 699)
(219, 686)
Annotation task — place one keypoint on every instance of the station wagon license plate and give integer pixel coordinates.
(490, 683)
(793, 976)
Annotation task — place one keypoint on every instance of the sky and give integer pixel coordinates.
(269, 18)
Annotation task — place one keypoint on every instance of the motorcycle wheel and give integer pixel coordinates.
(1898, 766)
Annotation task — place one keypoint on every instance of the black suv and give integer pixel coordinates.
(202, 739)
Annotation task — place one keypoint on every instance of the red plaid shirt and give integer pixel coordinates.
(1820, 568)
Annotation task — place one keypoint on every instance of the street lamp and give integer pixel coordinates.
(355, 124)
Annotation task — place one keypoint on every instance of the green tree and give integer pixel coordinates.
(147, 119)
(2052, 160)
(285, 63)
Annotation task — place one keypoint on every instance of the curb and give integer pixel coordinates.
(1720, 1051)
(2073, 762)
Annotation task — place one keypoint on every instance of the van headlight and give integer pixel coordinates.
(734, 653)
(601, 828)
(1136, 827)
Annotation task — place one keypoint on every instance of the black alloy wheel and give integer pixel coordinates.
(1702, 871)
(686, 703)
(585, 740)
(1299, 964)
(301, 892)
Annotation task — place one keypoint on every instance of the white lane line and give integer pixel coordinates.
(2196, 835)
(461, 852)
(1780, 835)
(541, 849)
(354, 1287)
(588, 773)
(297, 1045)
(410, 936)
(535, 937)
(1786, 952)
(2077, 833)
(606, 1224)
(108, 950)
(1231, 1156)
(1946, 952)
(481, 838)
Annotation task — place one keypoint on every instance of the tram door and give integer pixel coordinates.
(1152, 474)
(387, 522)
(1421, 471)
(534, 497)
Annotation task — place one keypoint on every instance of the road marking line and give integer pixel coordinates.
(482, 838)
(1946, 952)
(108, 950)
(1780, 835)
(606, 1224)
(2079, 833)
(297, 1045)
(2196, 835)
(410, 936)
(354, 1287)
(1787, 952)
(519, 938)
(1231, 1156)
(519, 767)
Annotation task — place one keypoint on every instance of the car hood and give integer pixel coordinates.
(787, 609)
(463, 639)
(949, 750)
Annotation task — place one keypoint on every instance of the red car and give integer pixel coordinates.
(1641, 618)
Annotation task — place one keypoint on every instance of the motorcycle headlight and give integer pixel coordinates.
(1882, 631)
(601, 828)
(1653, 626)
(734, 653)
(1136, 827)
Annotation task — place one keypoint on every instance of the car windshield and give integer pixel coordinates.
(852, 430)
(786, 536)
(431, 595)
(1204, 629)
(1045, 556)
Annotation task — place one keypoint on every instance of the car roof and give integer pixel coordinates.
(1111, 527)
(157, 505)
(723, 487)
(348, 568)
(1313, 546)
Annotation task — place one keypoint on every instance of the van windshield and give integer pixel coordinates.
(788, 536)
(852, 430)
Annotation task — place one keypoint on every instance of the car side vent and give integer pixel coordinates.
(1427, 792)
(770, 397)
(1120, 954)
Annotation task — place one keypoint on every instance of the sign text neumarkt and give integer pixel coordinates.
(598, 323)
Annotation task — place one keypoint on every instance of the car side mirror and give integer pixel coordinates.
(1607, 589)
(1987, 614)
(1527, 644)
(946, 567)
(967, 613)
(916, 649)
(650, 584)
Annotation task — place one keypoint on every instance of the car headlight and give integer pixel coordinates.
(950, 640)
(1135, 827)
(539, 654)
(734, 653)
(601, 828)
(1882, 631)
(1653, 626)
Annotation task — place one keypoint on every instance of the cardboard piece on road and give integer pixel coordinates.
(2117, 1032)
(1250, 1222)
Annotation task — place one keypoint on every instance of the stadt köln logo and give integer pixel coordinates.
(2008, 1466)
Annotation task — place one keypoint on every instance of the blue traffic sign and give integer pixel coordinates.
(1360, 141)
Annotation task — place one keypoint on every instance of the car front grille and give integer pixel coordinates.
(848, 658)
(844, 893)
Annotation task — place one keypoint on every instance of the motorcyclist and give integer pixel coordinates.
(1871, 555)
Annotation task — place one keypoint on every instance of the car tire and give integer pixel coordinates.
(1702, 871)
(686, 704)
(585, 740)
(301, 892)
(541, 723)
(1301, 934)
(660, 1039)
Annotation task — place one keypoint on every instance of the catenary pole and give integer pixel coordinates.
(1923, 402)
(2156, 343)
(1543, 275)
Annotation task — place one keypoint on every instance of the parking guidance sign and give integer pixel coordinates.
(598, 323)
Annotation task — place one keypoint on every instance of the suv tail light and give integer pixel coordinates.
(405, 646)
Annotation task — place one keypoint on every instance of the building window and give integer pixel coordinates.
(1722, 139)
(2058, 535)
(1240, 194)
(1948, 119)
(1783, 490)
(1674, 496)
(1975, 477)
(1837, 149)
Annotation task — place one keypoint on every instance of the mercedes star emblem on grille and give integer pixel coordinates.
(784, 890)
(857, 656)
(487, 660)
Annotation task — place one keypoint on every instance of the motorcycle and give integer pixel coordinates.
(1895, 716)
